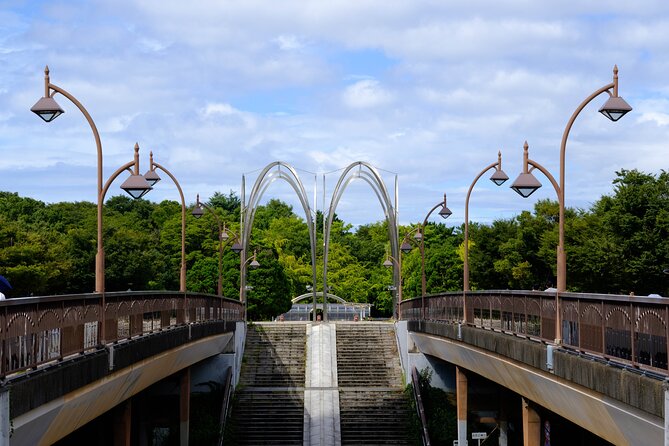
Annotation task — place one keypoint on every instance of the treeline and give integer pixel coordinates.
(620, 245)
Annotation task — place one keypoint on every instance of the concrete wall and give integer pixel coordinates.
(617, 405)
(45, 419)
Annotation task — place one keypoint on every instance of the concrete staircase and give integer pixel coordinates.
(373, 407)
(320, 384)
(269, 403)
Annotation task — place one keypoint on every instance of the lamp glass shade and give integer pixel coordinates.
(197, 211)
(254, 264)
(136, 186)
(224, 235)
(405, 247)
(387, 263)
(151, 177)
(445, 212)
(615, 108)
(418, 236)
(499, 177)
(526, 184)
(47, 108)
(236, 247)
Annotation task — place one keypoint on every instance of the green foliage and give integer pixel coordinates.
(620, 245)
(440, 410)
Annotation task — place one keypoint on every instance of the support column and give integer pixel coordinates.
(123, 423)
(503, 420)
(666, 415)
(531, 425)
(461, 394)
(184, 407)
(5, 424)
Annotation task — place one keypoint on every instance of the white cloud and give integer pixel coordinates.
(431, 90)
(366, 94)
(289, 42)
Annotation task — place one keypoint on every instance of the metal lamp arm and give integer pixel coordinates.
(82, 109)
(112, 177)
(547, 174)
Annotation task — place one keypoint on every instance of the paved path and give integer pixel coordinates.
(321, 394)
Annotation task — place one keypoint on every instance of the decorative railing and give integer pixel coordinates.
(631, 329)
(39, 330)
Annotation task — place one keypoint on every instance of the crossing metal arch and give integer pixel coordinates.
(371, 176)
(267, 176)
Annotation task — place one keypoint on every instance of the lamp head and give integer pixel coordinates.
(615, 108)
(136, 186)
(197, 211)
(388, 263)
(499, 177)
(405, 247)
(47, 108)
(526, 184)
(445, 212)
(151, 177)
(236, 247)
(418, 236)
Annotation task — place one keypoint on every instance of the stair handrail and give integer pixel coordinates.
(225, 405)
(425, 436)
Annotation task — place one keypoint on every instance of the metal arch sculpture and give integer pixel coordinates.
(372, 177)
(261, 184)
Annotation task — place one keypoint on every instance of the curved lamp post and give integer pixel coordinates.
(444, 212)
(136, 186)
(525, 185)
(614, 108)
(253, 264)
(48, 109)
(223, 238)
(498, 177)
(405, 248)
(152, 178)
(397, 262)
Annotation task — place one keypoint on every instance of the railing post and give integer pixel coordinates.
(632, 333)
(604, 330)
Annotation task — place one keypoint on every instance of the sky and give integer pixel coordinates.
(427, 92)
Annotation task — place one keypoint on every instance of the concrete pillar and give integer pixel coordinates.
(531, 425)
(503, 418)
(123, 423)
(503, 433)
(461, 394)
(184, 406)
(666, 415)
(5, 424)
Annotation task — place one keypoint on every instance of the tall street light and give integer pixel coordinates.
(48, 109)
(444, 212)
(388, 263)
(614, 108)
(405, 247)
(253, 264)
(223, 238)
(525, 185)
(498, 177)
(136, 186)
(152, 177)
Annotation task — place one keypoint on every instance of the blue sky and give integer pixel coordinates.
(429, 90)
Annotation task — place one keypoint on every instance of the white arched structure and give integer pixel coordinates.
(366, 172)
(272, 172)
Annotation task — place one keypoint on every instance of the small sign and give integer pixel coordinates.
(479, 435)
